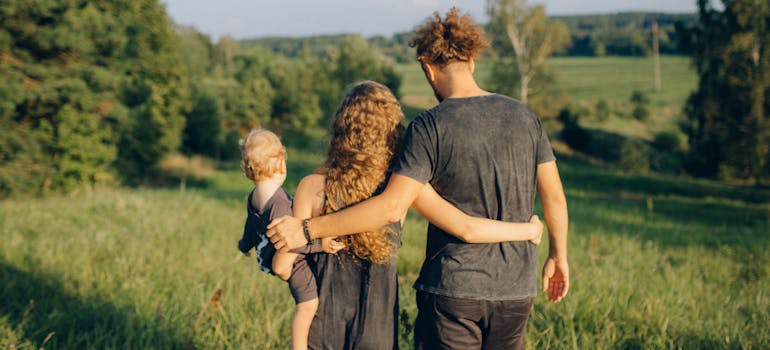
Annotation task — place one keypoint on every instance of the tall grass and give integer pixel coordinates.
(656, 262)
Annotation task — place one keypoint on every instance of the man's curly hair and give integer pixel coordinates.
(452, 39)
(366, 132)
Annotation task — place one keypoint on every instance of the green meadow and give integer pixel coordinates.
(586, 81)
(591, 78)
(657, 262)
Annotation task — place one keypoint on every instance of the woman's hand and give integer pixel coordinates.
(331, 245)
(539, 224)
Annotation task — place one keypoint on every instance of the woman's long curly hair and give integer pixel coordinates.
(366, 135)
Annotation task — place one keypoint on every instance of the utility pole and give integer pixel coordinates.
(656, 54)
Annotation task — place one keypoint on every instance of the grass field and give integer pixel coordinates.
(586, 80)
(657, 262)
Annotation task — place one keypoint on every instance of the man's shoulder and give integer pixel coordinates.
(511, 105)
(427, 115)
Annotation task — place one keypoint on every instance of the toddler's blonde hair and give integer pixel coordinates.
(262, 154)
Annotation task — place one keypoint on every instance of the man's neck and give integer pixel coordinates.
(459, 85)
(264, 190)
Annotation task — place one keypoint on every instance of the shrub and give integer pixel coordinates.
(641, 103)
(667, 141)
(634, 156)
(666, 162)
(667, 154)
(573, 134)
(602, 110)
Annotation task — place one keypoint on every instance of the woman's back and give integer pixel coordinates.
(358, 299)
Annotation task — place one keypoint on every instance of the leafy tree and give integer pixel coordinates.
(196, 51)
(353, 60)
(728, 117)
(249, 102)
(532, 37)
(357, 60)
(225, 52)
(158, 92)
(294, 105)
(25, 166)
(203, 127)
(76, 77)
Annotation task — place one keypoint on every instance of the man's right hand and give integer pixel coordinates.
(286, 233)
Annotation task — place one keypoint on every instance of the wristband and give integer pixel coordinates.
(306, 232)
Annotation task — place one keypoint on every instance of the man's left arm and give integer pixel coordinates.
(388, 207)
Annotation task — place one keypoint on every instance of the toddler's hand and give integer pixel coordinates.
(331, 245)
(536, 220)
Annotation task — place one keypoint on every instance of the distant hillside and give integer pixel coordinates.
(395, 47)
(296, 47)
(620, 34)
(624, 34)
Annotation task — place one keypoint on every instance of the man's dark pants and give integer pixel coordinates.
(452, 323)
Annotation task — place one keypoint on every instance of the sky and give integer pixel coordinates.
(257, 18)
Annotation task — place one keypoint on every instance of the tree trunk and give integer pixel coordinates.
(524, 85)
(183, 184)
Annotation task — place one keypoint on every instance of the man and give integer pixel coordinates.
(487, 154)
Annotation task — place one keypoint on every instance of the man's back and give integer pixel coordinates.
(481, 154)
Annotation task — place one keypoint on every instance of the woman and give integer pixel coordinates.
(358, 287)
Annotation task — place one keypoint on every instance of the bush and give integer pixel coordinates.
(573, 134)
(667, 154)
(666, 162)
(602, 110)
(203, 128)
(641, 103)
(667, 141)
(634, 156)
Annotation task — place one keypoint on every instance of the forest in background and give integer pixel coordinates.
(620, 34)
(113, 93)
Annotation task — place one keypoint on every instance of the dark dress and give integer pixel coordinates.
(358, 306)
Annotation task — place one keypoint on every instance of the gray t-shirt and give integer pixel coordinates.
(481, 154)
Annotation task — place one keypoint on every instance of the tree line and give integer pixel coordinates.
(625, 33)
(99, 93)
(619, 34)
(728, 116)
